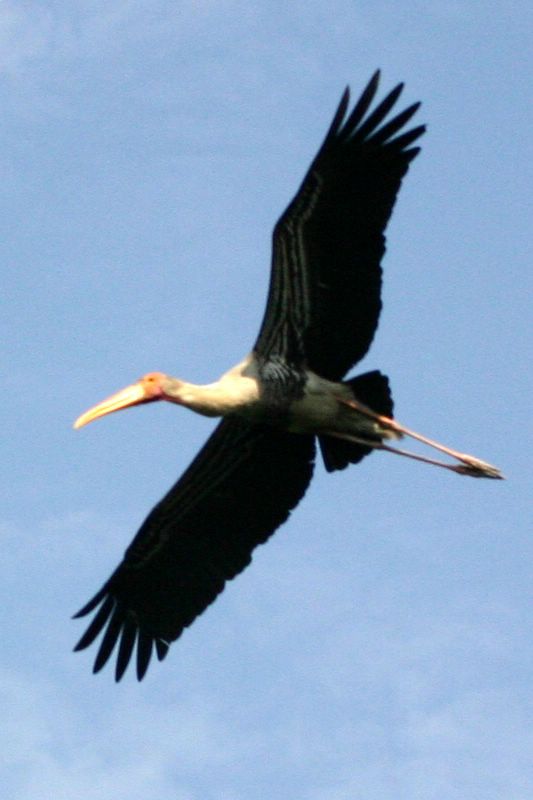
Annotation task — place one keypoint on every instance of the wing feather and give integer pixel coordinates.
(234, 495)
(325, 289)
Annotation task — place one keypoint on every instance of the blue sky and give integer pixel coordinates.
(379, 647)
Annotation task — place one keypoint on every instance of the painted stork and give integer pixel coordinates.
(321, 314)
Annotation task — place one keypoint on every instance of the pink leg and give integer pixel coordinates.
(470, 465)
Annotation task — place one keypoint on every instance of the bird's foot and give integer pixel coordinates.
(469, 465)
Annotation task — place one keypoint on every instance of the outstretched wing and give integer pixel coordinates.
(237, 491)
(324, 297)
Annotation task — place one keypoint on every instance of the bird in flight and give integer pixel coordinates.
(288, 393)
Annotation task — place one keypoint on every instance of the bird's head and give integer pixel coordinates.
(151, 387)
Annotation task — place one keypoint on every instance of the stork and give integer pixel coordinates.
(288, 392)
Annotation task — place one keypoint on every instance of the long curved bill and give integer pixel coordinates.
(130, 396)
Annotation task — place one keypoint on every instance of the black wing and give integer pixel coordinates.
(324, 297)
(237, 491)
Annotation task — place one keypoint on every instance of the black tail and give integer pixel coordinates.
(371, 389)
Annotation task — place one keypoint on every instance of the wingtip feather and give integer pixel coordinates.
(145, 644)
(91, 605)
(127, 642)
(161, 648)
(96, 625)
(374, 80)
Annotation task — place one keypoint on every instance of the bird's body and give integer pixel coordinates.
(321, 315)
(299, 402)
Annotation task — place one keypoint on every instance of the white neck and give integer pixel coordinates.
(232, 393)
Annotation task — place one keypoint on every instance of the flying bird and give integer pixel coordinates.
(321, 314)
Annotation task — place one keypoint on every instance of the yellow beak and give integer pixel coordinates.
(130, 396)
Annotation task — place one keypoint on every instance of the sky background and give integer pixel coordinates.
(379, 647)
